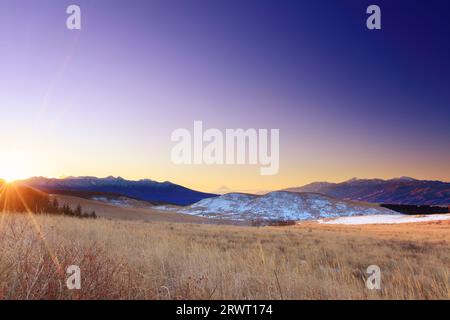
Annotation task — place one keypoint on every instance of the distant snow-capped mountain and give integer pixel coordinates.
(403, 190)
(280, 206)
(147, 190)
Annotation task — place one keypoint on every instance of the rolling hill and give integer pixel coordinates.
(279, 206)
(19, 198)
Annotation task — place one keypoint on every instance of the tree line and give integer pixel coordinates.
(66, 210)
(417, 209)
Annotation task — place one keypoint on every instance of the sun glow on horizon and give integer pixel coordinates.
(13, 168)
(12, 175)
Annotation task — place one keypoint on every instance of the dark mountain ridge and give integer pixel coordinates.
(146, 190)
(404, 190)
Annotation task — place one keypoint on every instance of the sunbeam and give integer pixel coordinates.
(40, 233)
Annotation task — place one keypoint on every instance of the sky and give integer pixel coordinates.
(104, 100)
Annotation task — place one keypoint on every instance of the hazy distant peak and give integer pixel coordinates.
(223, 190)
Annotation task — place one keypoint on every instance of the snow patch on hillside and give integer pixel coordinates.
(387, 219)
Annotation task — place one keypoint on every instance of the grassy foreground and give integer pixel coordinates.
(160, 260)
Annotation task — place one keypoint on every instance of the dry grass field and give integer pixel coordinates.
(165, 260)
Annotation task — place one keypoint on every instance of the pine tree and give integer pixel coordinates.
(54, 207)
(66, 210)
(55, 204)
(78, 211)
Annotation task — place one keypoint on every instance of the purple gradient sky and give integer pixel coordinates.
(105, 100)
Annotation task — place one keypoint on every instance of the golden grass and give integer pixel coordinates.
(162, 260)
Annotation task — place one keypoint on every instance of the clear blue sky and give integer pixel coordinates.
(104, 100)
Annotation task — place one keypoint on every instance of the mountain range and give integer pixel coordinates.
(402, 190)
(146, 190)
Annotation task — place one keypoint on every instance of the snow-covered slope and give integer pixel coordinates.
(226, 203)
(279, 205)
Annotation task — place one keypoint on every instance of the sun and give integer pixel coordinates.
(11, 176)
(12, 169)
